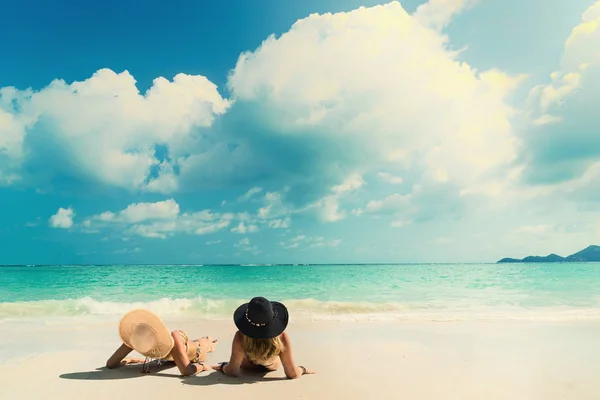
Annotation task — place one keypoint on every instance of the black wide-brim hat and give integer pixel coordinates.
(261, 318)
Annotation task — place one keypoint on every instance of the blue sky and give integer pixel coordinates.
(323, 131)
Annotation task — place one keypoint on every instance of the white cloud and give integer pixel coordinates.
(293, 243)
(276, 212)
(389, 178)
(398, 206)
(561, 142)
(312, 242)
(424, 203)
(283, 223)
(244, 245)
(399, 223)
(328, 208)
(563, 84)
(338, 76)
(438, 13)
(32, 224)
(63, 218)
(166, 181)
(546, 119)
(107, 128)
(161, 220)
(213, 242)
(350, 184)
(250, 194)
(392, 203)
(243, 228)
(12, 135)
(140, 212)
(274, 206)
(335, 242)
(577, 58)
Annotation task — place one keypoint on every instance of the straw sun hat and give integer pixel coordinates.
(145, 332)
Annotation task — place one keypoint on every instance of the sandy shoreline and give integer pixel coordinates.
(492, 360)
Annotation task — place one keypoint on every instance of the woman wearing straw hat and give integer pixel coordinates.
(144, 332)
(260, 342)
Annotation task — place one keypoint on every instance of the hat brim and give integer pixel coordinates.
(271, 330)
(164, 340)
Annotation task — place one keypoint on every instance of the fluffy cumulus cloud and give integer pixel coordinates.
(562, 135)
(63, 218)
(415, 107)
(103, 130)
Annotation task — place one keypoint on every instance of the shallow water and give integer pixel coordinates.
(443, 292)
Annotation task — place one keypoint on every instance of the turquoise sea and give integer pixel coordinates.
(430, 292)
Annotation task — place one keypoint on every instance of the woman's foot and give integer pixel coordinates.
(208, 343)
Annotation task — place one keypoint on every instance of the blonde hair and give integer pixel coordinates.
(260, 350)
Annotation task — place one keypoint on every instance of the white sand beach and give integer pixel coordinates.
(64, 358)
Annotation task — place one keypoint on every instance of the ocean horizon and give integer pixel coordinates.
(412, 292)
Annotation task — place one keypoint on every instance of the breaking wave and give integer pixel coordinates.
(310, 309)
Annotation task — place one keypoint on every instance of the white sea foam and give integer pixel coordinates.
(305, 309)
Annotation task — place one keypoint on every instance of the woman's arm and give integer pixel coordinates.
(287, 359)
(116, 360)
(181, 358)
(232, 368)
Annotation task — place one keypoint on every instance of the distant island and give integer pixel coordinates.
(589, 254)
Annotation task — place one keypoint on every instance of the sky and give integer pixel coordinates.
(321, 131)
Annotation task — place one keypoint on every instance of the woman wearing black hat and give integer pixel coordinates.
(260, 342)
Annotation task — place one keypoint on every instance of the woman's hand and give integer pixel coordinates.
(203, 367)
(306, 371)
(222, 367)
